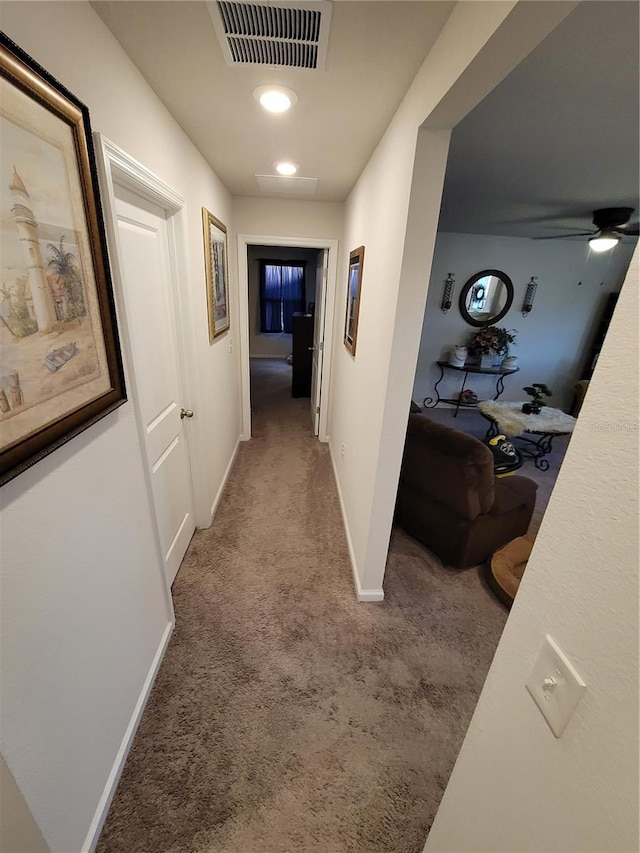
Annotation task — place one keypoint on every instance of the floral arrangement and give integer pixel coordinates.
(492, 339)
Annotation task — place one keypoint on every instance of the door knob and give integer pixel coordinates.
(185, 413)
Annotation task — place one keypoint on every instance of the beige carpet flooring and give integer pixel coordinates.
(286, 716)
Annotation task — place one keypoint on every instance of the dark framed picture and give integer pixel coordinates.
(215, 262)
(60, 364)
(354, 289)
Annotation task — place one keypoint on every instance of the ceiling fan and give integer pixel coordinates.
(611, 223)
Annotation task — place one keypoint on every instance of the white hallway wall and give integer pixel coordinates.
(84, 607)
(283, 217)
(393, 211)
(18, 829)
(515, 787)
(270, 345)
(552, 342)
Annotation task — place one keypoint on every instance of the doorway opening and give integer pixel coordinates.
(287, 294)
(518, 305)
(558, 330)
(284, 285)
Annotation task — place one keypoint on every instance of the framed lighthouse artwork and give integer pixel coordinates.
(60, 364)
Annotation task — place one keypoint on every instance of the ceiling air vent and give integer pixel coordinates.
(277, 35)
(286, 186)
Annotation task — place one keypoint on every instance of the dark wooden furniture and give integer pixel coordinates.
(499, 372)
(302, 355)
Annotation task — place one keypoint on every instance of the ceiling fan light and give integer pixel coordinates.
(604, 241)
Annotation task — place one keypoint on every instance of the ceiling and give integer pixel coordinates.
(555, 140)
(375, 49)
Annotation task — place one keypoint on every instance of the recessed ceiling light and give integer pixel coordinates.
(276, 99)
(286, 168)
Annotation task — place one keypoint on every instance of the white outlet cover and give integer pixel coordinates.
(555, 686)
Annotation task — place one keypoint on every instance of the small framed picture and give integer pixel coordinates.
(354, 289)
(60, 365)
(215, 262)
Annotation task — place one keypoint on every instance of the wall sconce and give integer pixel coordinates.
(447, 293)
(529, 296)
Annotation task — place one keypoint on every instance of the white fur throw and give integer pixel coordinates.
(512, 420)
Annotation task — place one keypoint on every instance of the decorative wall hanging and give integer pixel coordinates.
(529, 296)
(61, 369)
(447, 292)
(354, 288)
(215, 264)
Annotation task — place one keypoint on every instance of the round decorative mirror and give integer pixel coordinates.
(486, 298)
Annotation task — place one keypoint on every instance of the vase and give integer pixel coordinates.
(486, 361)
(531, 408)
(458, 356)
(509, 363)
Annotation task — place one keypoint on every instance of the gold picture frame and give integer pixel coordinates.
(60, 363)
(354, 290)
(216, 271)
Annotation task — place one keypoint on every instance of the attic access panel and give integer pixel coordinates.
(286, 34)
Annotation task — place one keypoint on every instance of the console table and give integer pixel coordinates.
(498, 372)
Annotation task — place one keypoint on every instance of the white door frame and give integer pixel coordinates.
(317, 361)
(246, 240)
(115, 166)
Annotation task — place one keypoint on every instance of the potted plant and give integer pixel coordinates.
(491, 343)
(536, 392)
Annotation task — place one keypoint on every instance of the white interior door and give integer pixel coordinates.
(147, 287)
(322, 270)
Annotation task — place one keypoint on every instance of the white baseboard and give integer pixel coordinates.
(216, 500)
(361, 594)
(116, 771)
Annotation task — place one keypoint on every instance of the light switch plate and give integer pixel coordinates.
(555, 686)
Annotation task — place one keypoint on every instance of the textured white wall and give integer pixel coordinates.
(84, 606)
(552, 342)
(359, 384)
(274, 346)
(515, 788)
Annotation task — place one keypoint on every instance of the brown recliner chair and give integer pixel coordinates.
(450, 499)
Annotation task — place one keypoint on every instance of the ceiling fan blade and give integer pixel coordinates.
(631, 231)
(567, 236)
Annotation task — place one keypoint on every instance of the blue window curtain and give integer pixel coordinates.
(282, 294)
(270, 302)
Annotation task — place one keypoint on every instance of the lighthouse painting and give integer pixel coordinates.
(215, 262)
(60, 368)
